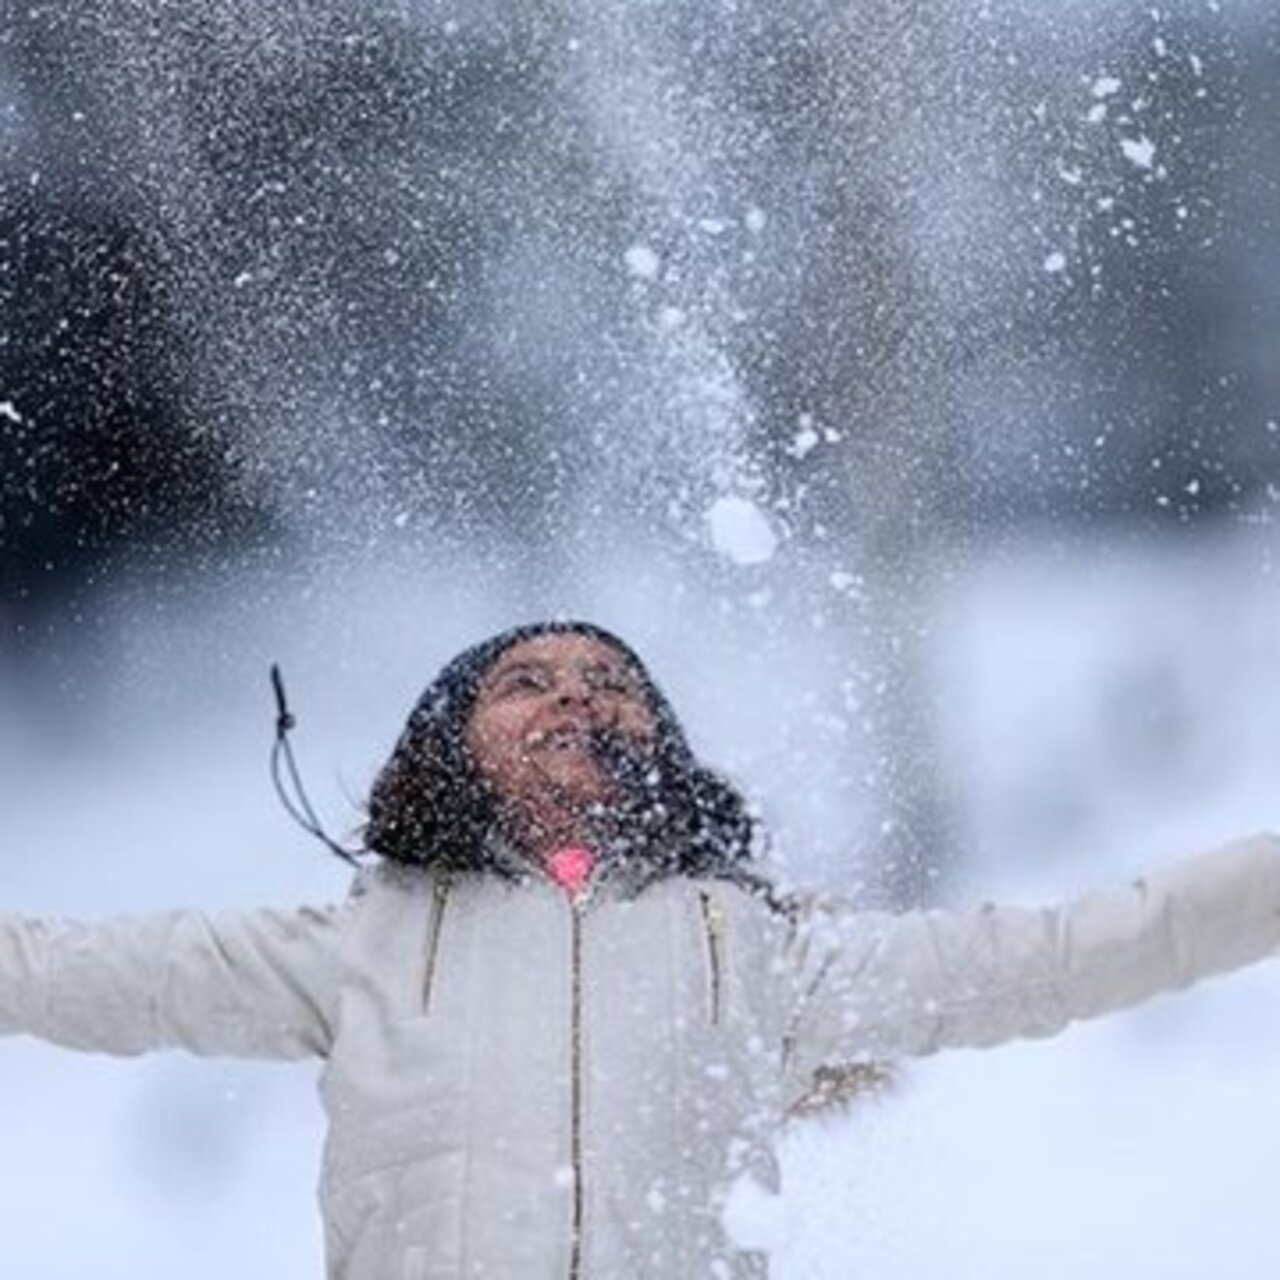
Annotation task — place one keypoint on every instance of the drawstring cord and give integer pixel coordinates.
(297, 806)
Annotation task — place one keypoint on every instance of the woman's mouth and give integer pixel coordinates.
(569, 737)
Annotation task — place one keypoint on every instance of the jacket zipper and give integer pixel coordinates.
(575, 1090)
(439, 897)
(713, 927)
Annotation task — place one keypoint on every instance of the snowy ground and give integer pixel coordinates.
(1104, 710)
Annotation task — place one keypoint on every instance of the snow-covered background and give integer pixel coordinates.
(902, 380)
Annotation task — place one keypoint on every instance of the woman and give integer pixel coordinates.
(561, 1013)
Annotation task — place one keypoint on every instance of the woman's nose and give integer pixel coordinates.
(573, 688)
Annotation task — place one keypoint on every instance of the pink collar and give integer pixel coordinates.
(570, 867)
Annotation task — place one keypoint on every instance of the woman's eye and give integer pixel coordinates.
(524, 682)
(612, 682)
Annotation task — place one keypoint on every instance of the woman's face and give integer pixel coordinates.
(540, 714)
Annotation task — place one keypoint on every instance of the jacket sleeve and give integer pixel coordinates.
(257, 984)
(876, 986)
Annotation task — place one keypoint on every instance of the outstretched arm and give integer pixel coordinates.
(877, 985)
(258, 984)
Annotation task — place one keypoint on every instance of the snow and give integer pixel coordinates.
(642, 261)
(1118, 1150)
(1056, 262)
(804, 442)
(1140, 151)
(740, 531)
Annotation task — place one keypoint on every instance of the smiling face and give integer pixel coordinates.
(533, 731)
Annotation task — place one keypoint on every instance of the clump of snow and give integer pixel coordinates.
(805, 441)
(846, 583)
(808, 437)
(1105, 87)
(1055, 262)
(642, 261)
(9, 410)
(1140, 151)
(740, 531)
(755, 220)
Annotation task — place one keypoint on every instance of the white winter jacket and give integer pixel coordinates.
(519, 1088)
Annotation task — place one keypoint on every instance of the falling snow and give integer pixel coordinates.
(740, 531)
(1139, 151)
(642, 261)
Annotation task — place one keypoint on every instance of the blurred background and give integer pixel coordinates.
(902, 379)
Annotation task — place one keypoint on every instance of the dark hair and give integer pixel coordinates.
(429, 808)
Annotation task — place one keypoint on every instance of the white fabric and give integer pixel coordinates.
(451, 1142)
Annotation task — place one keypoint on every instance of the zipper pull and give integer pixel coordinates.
(571, 867)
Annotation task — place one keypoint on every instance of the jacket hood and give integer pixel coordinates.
(429, 809)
